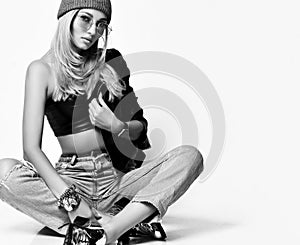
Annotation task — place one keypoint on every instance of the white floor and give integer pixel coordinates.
(250, 51)
(223, 210)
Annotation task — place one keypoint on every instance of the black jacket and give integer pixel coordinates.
(125, 154)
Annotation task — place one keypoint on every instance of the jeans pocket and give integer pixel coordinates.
(30, 168)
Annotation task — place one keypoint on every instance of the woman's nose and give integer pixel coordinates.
(92, 30)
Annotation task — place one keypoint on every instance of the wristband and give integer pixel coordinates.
(126, 127)
(69, 200)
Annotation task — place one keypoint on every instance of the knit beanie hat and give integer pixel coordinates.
(103, 5)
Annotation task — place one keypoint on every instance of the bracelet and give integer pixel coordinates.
(126, 127)
(70, 199)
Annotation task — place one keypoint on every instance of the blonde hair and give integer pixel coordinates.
(78, 74)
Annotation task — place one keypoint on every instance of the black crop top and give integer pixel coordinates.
(72, 116)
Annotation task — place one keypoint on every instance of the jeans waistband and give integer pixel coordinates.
(75, 157)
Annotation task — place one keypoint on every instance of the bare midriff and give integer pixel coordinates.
(82, 142)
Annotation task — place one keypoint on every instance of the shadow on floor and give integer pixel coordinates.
(182, 227)
(48, 232)
(47, 236)
(176, 227)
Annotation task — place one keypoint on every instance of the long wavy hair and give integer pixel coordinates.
(78, 72)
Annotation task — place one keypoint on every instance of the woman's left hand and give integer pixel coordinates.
(101, 116)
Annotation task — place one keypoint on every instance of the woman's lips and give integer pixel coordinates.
(87, 40)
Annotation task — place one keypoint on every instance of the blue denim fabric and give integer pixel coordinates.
(159, 182)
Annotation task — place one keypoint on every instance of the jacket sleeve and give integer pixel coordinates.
(128, 107)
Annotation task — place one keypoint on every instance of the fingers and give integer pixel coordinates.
(94, 105)
(100, 113)
(94, 109)
(101, 101)
(92, 118)
(96, 114)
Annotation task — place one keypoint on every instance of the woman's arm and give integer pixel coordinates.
(129, 106)
(128, 109)
(36, 86)
(135, 128)
(133, 115)
(101, 116)
(33, 122)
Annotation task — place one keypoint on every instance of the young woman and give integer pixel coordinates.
(85, 94)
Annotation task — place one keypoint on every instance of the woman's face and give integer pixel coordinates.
(87, 27)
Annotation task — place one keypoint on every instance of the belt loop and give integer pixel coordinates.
(92, 154)
(73, 160)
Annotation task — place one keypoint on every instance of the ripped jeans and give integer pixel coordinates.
(159, 182)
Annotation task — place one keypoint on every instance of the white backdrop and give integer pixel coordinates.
(250, 52)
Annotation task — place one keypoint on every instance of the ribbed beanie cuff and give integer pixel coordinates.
(102, 5)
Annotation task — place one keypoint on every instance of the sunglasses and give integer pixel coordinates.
(86, 22)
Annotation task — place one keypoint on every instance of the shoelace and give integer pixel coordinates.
(144, 228)
(80, 237)
(84, 232)
(154, 230)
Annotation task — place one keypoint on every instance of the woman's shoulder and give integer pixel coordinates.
(42, 65)
(39, 71)
(39, 67)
